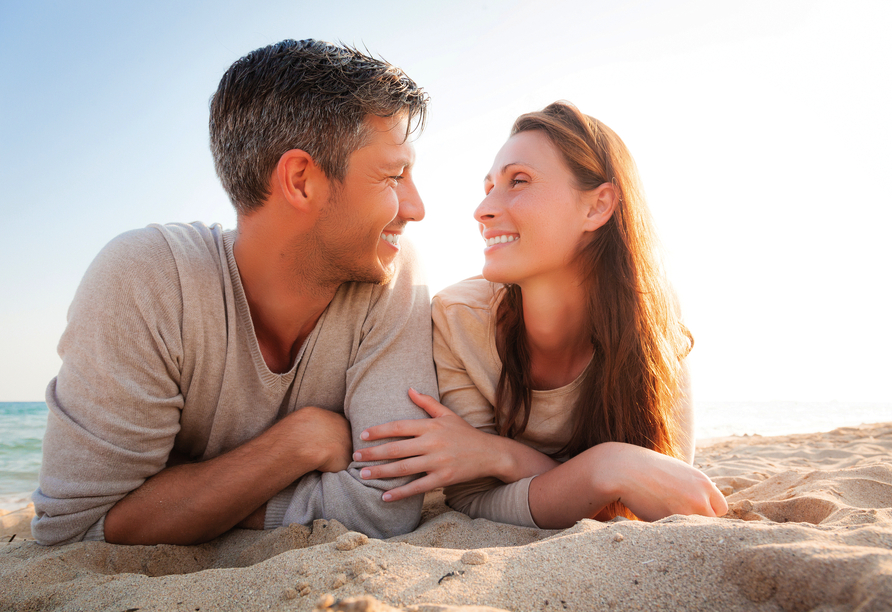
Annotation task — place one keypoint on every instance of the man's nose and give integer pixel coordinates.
(411, 206)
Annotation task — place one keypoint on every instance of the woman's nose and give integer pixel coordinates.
(486, 210)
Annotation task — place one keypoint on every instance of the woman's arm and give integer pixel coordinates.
(448, 449)
(650, 484)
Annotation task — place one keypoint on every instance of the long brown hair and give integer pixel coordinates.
(635, 377)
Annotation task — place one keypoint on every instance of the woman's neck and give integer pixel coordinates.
(554, 317)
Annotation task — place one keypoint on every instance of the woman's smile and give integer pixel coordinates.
(500, 239)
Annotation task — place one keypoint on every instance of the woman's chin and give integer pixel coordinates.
(494, 275)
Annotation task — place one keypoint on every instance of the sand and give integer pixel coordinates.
(809, 528)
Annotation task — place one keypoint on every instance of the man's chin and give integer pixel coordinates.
(387, 273)
(380, 274)
(386, 268)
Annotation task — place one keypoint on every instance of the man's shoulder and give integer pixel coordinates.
(157, 262)
(158, 239)
(156, 248)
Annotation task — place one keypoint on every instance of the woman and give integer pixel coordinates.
(572, 335)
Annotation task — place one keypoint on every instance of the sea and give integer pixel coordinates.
(23, 424)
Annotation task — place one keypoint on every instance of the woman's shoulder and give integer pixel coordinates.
(474, 293)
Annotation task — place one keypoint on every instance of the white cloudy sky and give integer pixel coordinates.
(761, 129)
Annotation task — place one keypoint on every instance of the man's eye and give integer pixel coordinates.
(516, 182)
(397, 178)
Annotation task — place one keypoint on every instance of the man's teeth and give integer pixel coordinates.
(500, 239)
(391, 238)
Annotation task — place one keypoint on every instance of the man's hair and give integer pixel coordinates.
(309, 95)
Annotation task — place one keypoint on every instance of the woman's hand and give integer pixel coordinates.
(650, 484)
(654, 486)
(447, 449)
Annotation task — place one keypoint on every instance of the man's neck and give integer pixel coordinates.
(285, 303)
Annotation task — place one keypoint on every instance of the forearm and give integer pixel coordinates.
(650, 484)
(188, 504)
(192, 503)
(577, 489)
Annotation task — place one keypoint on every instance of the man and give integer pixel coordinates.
(216, 379)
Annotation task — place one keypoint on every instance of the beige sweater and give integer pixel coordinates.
(468, 369)
(160, 355)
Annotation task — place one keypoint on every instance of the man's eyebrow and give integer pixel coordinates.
(403, 162)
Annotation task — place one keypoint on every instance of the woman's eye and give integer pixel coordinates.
(516, 182)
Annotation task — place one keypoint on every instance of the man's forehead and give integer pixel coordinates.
(396, 125)
(389, 143)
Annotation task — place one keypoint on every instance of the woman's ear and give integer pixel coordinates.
(600, 203)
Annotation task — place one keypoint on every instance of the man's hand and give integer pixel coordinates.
(329, 432)
(196, 502)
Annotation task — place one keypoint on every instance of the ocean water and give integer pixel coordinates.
(23, 424)
(719, 419)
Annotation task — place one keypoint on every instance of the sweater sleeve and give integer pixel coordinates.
(114, 407)
(459, 329)
(394, 353)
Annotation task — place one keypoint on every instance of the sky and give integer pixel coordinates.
(761, 130)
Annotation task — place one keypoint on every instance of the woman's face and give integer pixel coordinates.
(532, 217)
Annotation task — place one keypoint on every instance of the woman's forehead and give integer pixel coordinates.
(532, 149)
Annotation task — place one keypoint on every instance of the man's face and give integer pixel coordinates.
(360, 227)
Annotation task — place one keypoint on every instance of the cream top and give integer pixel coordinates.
(468, 369)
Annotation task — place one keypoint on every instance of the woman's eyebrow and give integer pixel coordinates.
(488, 177)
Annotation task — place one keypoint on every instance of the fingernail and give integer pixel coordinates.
(357, 456)
(386, 496)
(364, 435)
(365, 473)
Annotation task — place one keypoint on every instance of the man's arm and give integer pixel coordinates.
(115, 411)
(192, 503)
(394, 353)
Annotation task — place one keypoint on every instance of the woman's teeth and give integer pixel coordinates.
(391, 238)
(501, 239)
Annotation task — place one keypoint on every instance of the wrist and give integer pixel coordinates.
(505, 463)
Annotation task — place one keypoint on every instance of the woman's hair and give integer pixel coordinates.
(635, 377)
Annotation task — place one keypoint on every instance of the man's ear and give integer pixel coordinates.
(600, 204)
(300, 181)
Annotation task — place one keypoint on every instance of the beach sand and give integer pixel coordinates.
(809, 528)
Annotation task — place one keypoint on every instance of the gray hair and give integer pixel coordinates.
(309, 95)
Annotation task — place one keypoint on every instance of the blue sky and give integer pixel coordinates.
(761, 130)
